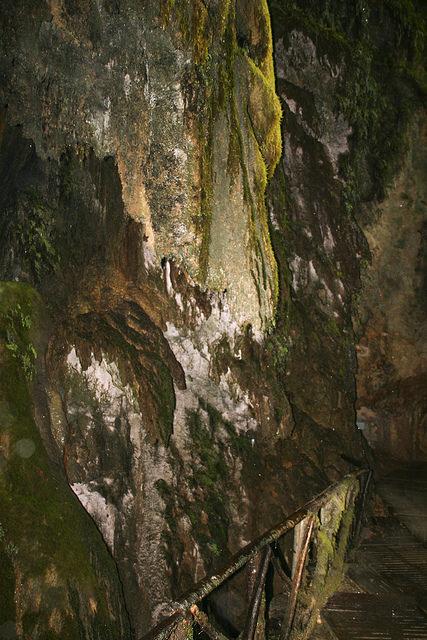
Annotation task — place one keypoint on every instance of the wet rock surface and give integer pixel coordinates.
(187, 386)
(351, 256)
(392, 365)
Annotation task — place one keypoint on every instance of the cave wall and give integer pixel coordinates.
(57, 576)
(185, 345)
(168, 92)
(136, 144)
(347, 208)
(391, 352)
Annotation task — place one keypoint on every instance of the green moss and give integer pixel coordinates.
(380, 87)
(211, 446)
(266, 114)
(34, 235)
(326, 568)
(214, 549)
(208, 474)
(263, 128)
(218, 75)
(166, 8)
(38, 510)
(196, 28)
(209, 479)
(329, 37)
(7, 587)
(256, 45)
(239, 444)
(265, 62)
(254, 172)
(171, 542)
(40, 516)
(17, 327)
(379, 102)
(277, 348)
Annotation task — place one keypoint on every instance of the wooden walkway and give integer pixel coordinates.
(323, 530)
(385, 595)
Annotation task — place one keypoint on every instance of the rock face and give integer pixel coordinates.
(136, 144)
(190, 117)
(57, 575)
(172, 376)
(349, 199)
(392, 356)
(322, 251)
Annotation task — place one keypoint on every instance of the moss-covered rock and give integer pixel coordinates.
(136, 149)
(59, 580)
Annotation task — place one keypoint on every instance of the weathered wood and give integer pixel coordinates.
(255, 603)
(252, 569)
(299, 539)
(297, 574)
(277, 564)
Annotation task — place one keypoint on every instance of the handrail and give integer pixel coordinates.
(251, 550)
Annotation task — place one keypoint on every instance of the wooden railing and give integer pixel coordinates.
(325, 528)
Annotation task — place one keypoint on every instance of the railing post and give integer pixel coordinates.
(256, 597)
(276, 559)
(331, 542)
(361, 504)
(303, 544)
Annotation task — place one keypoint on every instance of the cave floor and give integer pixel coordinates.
(384, 596)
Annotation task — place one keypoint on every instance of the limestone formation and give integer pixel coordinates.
(188, 197)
